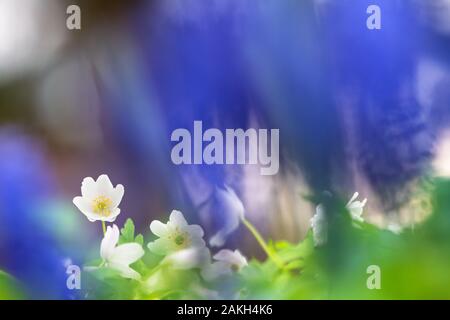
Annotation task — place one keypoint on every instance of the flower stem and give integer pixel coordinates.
(262, 243)
(104, 228)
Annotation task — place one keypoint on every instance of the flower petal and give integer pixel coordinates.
(319, 226)
(117, 195)
(215, 270)
(104, 186)
(159, 246)
(112, 217)
(231, 257)
(355, 195)
(233, 211)
(195, 230)
(197, 242)
(82, 204)
(177, 218)
(230, 201)
(109, 242)
(188, 258)
(218, 239)
(158, 228)
(224, 255)
(125, 271)
(127, 253)
(88, 188)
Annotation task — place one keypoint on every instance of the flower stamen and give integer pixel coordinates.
(102, 206)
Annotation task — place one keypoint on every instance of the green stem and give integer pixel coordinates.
(104, 227)
(262, 243)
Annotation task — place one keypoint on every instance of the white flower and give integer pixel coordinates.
(99, 199)
(395, 228)
(355, 207)
(319, 226)
(233, 209)
(227, 261)
(176, 235)
(119, 258)
(190, 258)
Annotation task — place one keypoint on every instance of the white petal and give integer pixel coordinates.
(216, 270)
(231, 257)
(195, 230)
(230, 201)
(85, 209)
(125, 271)
(177, 218)
(241, 261)
(319, 226)
(355, 195)
(113, 216)
(158, 228)
(109, 242)
(233, 210)
(117, 195)
(159, 246)
(188, 258)
(224, 255)
(127, 253)
(218, 239)
(81, 204)
(197, 242)
(93, 217)
(104, 186)
(88, 188)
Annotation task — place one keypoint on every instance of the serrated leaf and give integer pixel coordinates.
(127, 232)
(139, 239)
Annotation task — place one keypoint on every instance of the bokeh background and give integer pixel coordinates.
(358, 110)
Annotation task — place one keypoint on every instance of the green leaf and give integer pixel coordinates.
(127, 234)
(139, 239)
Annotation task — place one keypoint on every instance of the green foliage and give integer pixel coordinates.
(127, 234)
(9, 288)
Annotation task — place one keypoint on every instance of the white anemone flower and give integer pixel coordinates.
(227, 261)
(175, 235)
(233, 210)
(119, 258)
(99, 199)
(319, 226)
(355, 207)
(195, 257)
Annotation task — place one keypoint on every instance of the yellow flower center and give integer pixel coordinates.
(102, 206)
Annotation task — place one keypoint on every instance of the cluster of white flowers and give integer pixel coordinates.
(181, 244)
